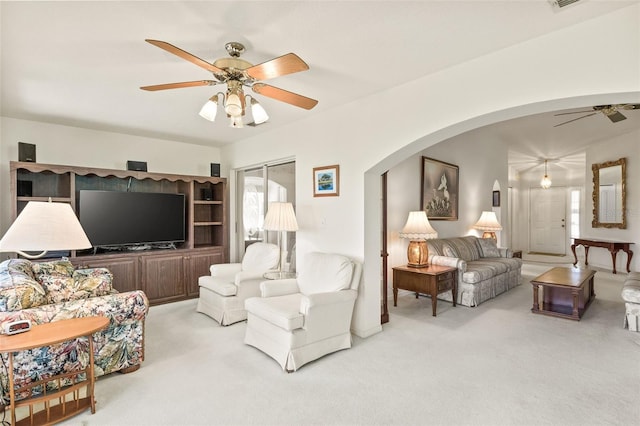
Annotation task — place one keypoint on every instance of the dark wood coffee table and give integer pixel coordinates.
(567, 292)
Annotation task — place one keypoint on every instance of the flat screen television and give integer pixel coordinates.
(114, 218)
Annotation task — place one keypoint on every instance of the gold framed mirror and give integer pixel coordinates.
(610, 194)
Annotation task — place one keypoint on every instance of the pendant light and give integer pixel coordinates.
(545, 183)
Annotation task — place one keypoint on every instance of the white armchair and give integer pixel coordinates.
(299, 320)
(222, 294)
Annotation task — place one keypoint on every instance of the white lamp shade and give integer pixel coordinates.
(258, 112)
(488, 222)
(210, 109)
(233, 106)
(280, 217)
(45, 226)
(418, 227)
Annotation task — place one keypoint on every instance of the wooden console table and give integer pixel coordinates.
(613, 246)
(46, 335)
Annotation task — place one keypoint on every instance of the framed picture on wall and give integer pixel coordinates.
(496, 199)
(326, 181)
(439, 189)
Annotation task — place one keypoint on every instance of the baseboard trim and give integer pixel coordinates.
(367, 333)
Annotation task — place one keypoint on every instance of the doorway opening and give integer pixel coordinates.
(257, 187)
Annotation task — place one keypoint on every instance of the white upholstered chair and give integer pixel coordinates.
(298, 320)
(222, 294)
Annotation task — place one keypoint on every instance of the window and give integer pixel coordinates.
(575, 213)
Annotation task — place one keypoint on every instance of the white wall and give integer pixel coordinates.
(623, 146)
(371, 135)
(74, 146)
(481, 161)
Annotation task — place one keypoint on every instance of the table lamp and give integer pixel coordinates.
(418, 230)
(42, 227)
(488, 223)
(281, 218)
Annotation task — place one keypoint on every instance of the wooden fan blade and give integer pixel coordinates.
(630, 106)
(180, 85)
(616, 116)
(284, 96)
(574, 112)
(283, 65)
(185, 55)
(579, 118)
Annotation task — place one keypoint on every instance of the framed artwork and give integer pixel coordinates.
(326, 181)
(439, 189)
(496, 199)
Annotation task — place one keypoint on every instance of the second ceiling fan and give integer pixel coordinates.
(612, 112)
(237, 73)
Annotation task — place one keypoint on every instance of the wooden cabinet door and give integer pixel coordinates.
(124, 270)
(199, 264)
(163, 277)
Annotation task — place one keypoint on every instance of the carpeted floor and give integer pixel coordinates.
(497, 364)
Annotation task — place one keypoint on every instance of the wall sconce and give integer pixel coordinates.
(418, 230)
(488, 223)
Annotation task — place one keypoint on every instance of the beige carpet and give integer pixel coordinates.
(497, 364)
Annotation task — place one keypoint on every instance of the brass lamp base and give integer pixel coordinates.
(418, 254)
(487, 234)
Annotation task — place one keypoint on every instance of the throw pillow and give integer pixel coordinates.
(93, 281)
(18, 289)
(55, 267)
(489, 247)
(84, 283)
(58, 287)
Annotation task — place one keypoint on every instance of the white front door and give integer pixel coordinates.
(547, 229)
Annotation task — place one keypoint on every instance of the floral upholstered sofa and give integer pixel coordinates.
(484, 270)
(51, 291)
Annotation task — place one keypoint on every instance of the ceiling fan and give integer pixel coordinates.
(612, 112)
(237, 73)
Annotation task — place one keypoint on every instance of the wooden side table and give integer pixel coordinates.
(46, 335)
(432, 280)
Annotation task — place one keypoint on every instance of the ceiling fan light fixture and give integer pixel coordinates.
(259, 114)
(545, 183)
(210, 108)
(236, 122)
(233, 106)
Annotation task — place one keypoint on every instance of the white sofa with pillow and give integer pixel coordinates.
(484, 270)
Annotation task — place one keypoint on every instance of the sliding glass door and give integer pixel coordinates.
(257, 187)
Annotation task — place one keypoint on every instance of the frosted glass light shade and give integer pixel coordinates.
(280, 217)
(235, 122)
(45, 226)
(209, 110)
(258, 112)
(545, 183)
(233, 106)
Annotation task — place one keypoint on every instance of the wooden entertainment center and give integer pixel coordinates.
(165, 275)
